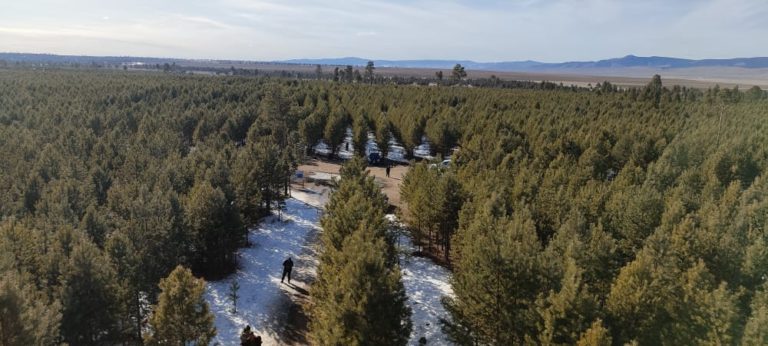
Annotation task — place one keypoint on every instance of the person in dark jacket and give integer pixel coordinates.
(245, 336)
(249, 338)
(287, 268)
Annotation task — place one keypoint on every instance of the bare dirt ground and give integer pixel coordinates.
(390, 186)
(695, 77)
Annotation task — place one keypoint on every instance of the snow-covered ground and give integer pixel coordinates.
(324, 149)
(423, 150)
(264, 301)
(425, 284)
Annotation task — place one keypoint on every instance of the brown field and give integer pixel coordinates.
(699, 77)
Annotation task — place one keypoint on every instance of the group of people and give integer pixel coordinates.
(249, 338)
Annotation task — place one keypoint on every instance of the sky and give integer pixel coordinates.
(480, 30)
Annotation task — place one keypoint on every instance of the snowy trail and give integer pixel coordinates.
(264, 302)
(266, 305)
(426, 283)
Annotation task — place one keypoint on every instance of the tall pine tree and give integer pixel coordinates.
(89, 298)
(358, 298)
(181, 316)
(497, 279)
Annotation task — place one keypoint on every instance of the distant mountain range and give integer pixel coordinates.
(629, 61)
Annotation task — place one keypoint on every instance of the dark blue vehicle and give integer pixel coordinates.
(374, 158)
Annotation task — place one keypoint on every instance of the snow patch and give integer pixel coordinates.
(426, 283)
(264, 301)
(396, 151)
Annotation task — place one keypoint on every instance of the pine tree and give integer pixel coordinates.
(13, 329)
(654, 301)
(458, 72)
(89, 299)
(633, 213)
(181, 316)
(26, 317)
(344, 216)
(311, 129)
(596, 335)
(125, 259)
(636, 300)
(213, 226)
(383, 134)
(422, 191)
(755, 332)
(335, 130)
(360, 135)
(369, 72)
(704, 313)
(245, 179)
(451, 202)
(234, 288)
(496, 281)
(359, 298)
(270, 173)
(567, 313)
(94, 225)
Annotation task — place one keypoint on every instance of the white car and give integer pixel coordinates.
(442, 164)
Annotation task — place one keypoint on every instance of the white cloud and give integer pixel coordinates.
(549, 30)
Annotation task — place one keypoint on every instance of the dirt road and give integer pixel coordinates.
(390, 186)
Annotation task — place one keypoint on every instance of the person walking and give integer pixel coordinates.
(387, 170)
(287, 268)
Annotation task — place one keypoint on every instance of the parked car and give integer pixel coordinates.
(374, 158)
(442, 165)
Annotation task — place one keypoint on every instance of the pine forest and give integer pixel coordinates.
(589, 215)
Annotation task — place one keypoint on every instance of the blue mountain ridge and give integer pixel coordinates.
(528, 65)
(629, 61)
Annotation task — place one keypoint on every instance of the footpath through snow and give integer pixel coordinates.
(265, 304)
(426, 283)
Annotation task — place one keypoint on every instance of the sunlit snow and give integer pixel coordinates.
(264, 301)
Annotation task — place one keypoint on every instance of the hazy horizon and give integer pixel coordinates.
(483, 31)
